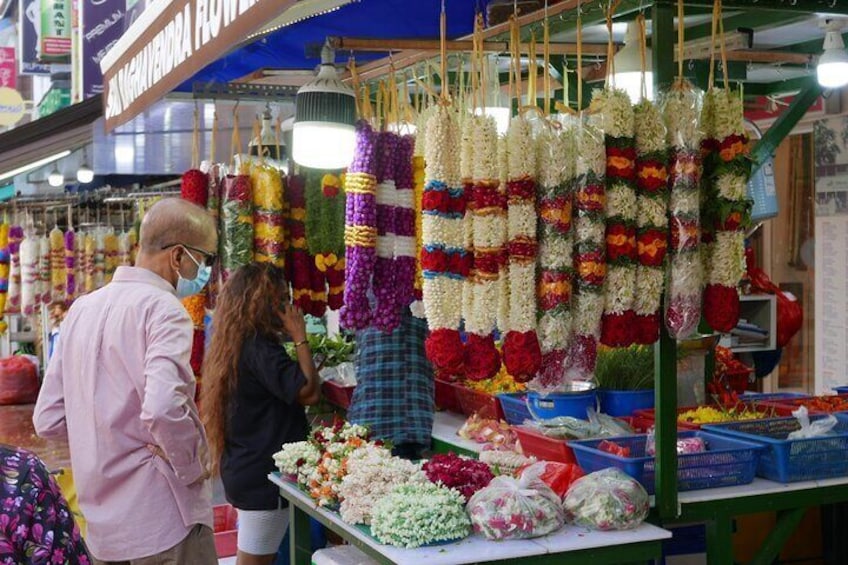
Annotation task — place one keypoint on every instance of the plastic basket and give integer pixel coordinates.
(542, 447)
(225, 532)
(446, 397)
(727, 461)
(514, 407)
(337, 395)
(769, 396)
(841, 389)
(793, 403)
(572, 404)
(788, 461)
(625, 402)
(474, 402)
(769, 411)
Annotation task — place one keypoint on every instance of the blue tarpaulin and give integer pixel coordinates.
(393, 19)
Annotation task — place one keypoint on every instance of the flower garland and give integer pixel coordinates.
(70, 264)
(29, 250)
(309, 291)
(325, 211)
(124, 247)
(336, 443)
(99, 258)
(269, 237)
(417, 307)
(4, 273)
(683, 307)
(387, 308)
(360, 229)
(44, 289)
(522, 353)
(652, 219)
(445, 262)
(372, 474)
(16, 235)
(590, 257)
(417, 514)
(237, 226)
(461, 473)
(556, 156)
(89, 249)
(213, 206)
(194, 187)
(405, 251)
(298, 460)
(486, 222)
(110, 247)
(618, 325)
(58, 273)
(726, 212)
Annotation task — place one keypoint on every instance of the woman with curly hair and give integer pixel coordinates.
(253, 400)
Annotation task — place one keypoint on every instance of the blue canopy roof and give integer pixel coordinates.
(284, 48)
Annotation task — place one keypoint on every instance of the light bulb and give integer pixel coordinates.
(55, 178)
(832, 69)
(323, 145)
(84, 174)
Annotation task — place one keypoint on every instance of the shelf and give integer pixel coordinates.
(760, 310)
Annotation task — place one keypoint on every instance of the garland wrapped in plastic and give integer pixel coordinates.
(236, 223)
(618, 325)
(269, 237)
(487, 221)
(387, 307)
(4, 273)
(405, 253)
(590, 257)
(683, 301)
(556, 154)
(308, 289)
(110, 248)
(89, 252)
(652, 219)
(99, 258)
(124, 245)
(360, 229)
(194, 187)
(417, 306)
(29, 252)
(58, 273)
(445, 262)
(213, 206)
(16, 236)
(521, 351)
(44, 288)
(726, 212)
(325, 212)
(70, 264)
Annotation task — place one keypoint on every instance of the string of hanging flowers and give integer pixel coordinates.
(44, 288)
(621, 210)
(405, 252)
(681, 116)
(360, 229)
(308, 288)
(521, 350)
(4, 273)
(57, 264)
(652, 219)
(70, 264)
(325, 218)
(487, 213)
(556, 155)
(444, 259)
(16, 236)
(590, 257)
(726, 212)
(387, 309)
(417, 307)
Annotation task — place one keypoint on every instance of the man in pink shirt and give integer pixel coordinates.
(121, 389)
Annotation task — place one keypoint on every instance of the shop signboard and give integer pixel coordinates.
(8, 68)
(11, 106)
(55, 30)
(103, 22)
(170, 42)
(29, 38)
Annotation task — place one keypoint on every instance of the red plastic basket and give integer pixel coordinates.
(543, 447)
(794, 403)
(446, 397)
(337, 395)
(474, 402)
(649, 415)
(226, 534)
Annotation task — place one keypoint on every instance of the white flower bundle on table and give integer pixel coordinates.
(298, 460)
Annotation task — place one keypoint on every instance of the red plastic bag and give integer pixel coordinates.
(614, 448)
(790, 316)
(558, 476)
(18, 381)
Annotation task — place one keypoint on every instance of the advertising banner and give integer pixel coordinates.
(8, 68)
(103, 22)
(55, 30)
(29, 38)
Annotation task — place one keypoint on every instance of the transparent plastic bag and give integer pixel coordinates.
(685, 445)
(512, 508)
(819, 428)
(606, 500)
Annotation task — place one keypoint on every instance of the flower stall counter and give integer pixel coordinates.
(577, 545)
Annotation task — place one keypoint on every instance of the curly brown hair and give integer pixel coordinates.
(247, 307)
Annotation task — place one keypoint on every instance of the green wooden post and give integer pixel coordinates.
(720, 540)
(787, 522)
(665, 366)
(300, 543)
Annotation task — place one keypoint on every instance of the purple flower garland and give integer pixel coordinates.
(405, 244)
(387, 311)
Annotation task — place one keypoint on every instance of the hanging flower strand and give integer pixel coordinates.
(405, 253)
(444, 259)
(387, 310)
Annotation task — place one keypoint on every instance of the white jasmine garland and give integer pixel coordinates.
(557, 253)
(590, 231)
(298, 459)
(652, 212)
(621, 201)
(728, 258)
(485, 142)
(620, 289)
(616, 112)
(588, 308)
(649, 128)
(732, 187)
(680, 114)
(522, 316)
(439, 230)
(728, 108)
(685, 202)
(686, 277)
(555, 330)
(649, 284)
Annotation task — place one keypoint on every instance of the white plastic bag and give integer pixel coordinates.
(606, 500)
(819, 428)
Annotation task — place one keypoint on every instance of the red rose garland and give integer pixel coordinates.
(307, 282)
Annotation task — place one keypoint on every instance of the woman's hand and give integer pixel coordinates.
(293, 322)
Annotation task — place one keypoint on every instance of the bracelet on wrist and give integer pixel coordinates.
(301, 342)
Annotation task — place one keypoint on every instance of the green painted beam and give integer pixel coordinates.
(720, 541)
(760, 6)
(779, 87)
(787, 523)
(784, 124)
(664, 39)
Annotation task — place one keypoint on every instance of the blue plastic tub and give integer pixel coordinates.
(841, 389)
(625, 402)
(727, 461)
(572, 404)
(767, 396)
(788, 461)
(514, 406)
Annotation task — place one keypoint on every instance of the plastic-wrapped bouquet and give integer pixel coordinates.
(417, 514)
(297, 459)
(606, 500)
(372, 473)
(461, 473)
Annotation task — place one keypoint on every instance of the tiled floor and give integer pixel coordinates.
(16, 429)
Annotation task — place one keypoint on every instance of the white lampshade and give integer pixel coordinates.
(501, 114)
(323, 135)
(628, 66)
(832, 69)
(55, 178)
(84, 174)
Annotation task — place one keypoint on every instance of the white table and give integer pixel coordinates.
(445, 427)
(571, 544)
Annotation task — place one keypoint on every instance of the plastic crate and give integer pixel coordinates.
(788, 461)
(225, 532)
(769, 411)
(544, 448)
(625, 402)
(337, 395)
(841, 389)
(481, 403)
(727, 461)
(769, 396)
(514, 407)
(793, 403)
(446, 398)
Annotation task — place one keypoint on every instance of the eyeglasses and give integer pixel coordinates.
(208, 258)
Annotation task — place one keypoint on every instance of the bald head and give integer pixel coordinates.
(173, 220)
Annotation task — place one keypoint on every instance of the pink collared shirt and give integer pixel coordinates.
(119, 381)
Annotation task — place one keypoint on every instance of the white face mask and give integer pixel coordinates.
(190, 287)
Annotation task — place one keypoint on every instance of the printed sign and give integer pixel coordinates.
(103, 22)
(55, 30)
(29, 38)
(8, 68)
(11, 106)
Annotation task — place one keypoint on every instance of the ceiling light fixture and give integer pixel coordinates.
(85, 174)
(628, 66)
(55, 178)
(34, 165)
(832, 69)
(323, 136)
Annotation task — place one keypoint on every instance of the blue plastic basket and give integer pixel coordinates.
(572, 404)
(727, 462)
(841, 389)
(625, 402)
(788, 461)
(765, 396)
(514, 406)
